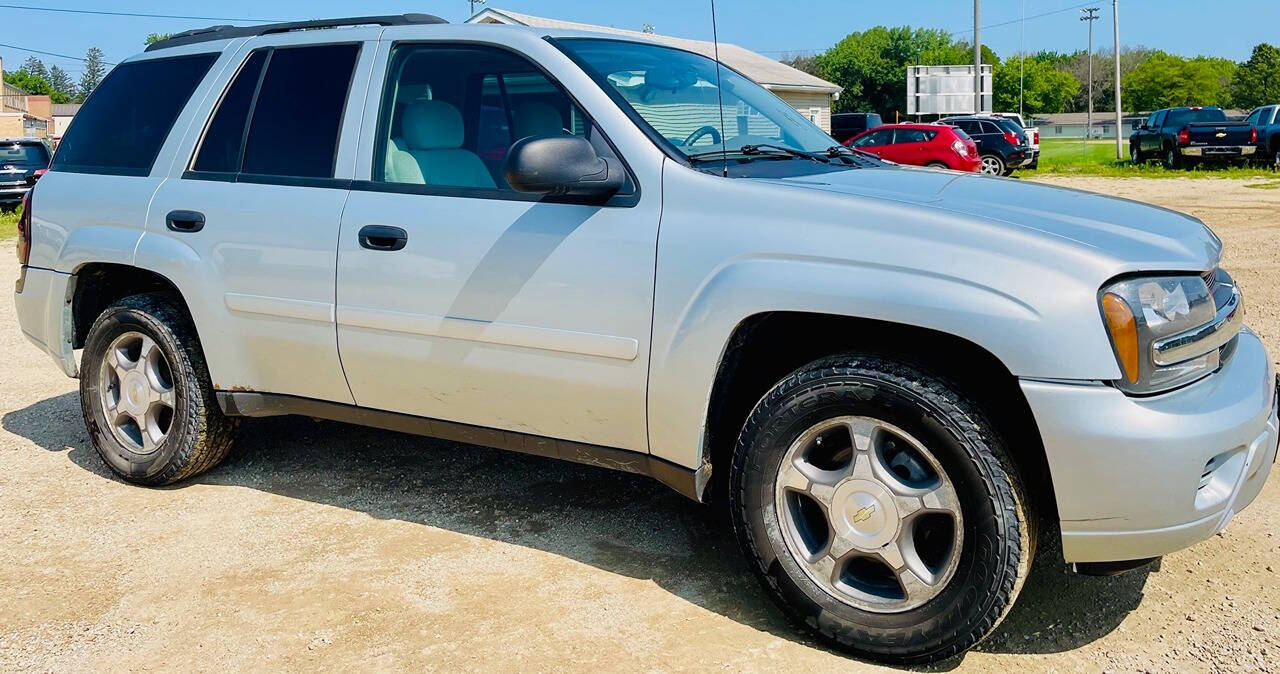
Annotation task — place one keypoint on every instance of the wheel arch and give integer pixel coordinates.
(763, 350)
(98, 285)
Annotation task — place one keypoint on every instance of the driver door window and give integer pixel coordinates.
(874, 139)
(452, 113)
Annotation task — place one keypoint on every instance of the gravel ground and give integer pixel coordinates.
(329, 547)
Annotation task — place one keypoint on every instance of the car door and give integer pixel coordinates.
(910, 146)
(1153, 140)
(463, 300)
(247, 224)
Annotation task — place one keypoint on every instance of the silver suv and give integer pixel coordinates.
(604, 249)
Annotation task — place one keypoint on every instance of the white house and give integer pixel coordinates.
(811, 95)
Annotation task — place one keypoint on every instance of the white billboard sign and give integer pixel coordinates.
(945, 90)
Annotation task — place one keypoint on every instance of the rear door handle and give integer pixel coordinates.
(185, 221)
(383, 237)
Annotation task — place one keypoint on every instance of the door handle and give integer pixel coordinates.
(383, 237)
(185, 221)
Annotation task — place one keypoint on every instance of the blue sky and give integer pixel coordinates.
(770, 26)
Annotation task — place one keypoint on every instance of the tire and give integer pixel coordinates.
(1171, 160)
(992, 165)
(938, 165)
(1135, 155)
(988, 551)
(141, 358)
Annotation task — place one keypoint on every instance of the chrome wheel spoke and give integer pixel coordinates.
(854, 495)
(137, 392)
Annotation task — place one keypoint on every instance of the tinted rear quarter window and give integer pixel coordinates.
(298, 113)
(122, 126)
(220, 148)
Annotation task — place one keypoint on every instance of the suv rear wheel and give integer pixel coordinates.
(880, 509)
(146, 396)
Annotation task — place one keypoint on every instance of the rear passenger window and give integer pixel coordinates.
(122, 126)
(223, 140)
(298, 112)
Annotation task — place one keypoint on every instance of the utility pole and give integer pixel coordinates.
(1090, 15)
(1022, 62)
(977, 56)
(1115, 22)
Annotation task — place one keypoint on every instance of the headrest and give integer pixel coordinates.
(535, 118)
(432, 125)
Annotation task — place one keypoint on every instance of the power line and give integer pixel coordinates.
(133, 14)
(49, 53)
(1034, 16)
(954, 32)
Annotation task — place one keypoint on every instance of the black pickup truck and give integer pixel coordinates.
(1183, 136)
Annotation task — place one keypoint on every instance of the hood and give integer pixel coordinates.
(1135, 235)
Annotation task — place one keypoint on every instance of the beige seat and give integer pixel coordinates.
(430, 152)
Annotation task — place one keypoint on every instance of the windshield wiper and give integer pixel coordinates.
(759, 150)
(837, 150)
(782, 149)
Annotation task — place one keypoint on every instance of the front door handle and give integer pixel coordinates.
(185, 221)
(383, 237)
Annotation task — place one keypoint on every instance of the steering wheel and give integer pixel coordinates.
(704, 131)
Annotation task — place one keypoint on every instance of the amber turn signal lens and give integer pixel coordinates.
(1124, 333)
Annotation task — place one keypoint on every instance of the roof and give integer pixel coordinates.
(765, 71)
(65, 109)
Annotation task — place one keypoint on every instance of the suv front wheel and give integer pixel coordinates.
(880, 509)
(146, 396)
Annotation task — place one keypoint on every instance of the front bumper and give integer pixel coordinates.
(1142, 477)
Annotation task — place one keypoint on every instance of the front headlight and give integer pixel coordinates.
(1169, 330)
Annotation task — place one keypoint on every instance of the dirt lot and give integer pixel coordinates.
(329, 547)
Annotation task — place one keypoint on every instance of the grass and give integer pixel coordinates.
(9, 224)
(1059, 156)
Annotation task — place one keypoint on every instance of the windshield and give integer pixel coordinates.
(676, 94)
(23, 153)
(1192, 116)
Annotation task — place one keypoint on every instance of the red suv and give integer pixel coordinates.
(935, 145)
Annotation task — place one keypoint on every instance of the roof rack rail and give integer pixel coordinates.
(226, 32)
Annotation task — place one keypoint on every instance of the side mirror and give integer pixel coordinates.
(562, 166)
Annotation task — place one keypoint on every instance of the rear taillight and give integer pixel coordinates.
(960, 148)
(1012, 138)
(38, 174)
(1253, 135)
(1184, 137)
(1037, 138)
(24, 229)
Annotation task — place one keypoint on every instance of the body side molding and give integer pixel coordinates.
(689, 482)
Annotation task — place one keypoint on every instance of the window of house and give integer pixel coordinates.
(451, 113)
(123, 125)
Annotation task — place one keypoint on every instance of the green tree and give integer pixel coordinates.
(34, 85)
(36, 67)
(61, 83)
(1257, 81)
(157, 37)
(94, 70)
(1165, 80)
(1046, 90)
(871, 66)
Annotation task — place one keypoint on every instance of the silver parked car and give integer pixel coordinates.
(602, 249)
